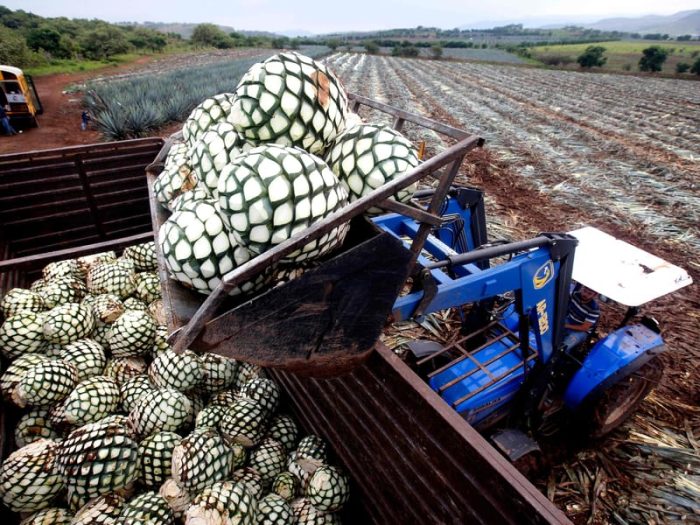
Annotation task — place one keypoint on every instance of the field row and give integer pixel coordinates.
(617, 148)
(490, 54)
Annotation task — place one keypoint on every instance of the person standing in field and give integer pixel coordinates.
(5, 122)
(84, 119)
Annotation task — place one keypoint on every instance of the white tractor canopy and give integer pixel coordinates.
(622, 272)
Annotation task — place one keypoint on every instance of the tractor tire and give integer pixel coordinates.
(622, 399)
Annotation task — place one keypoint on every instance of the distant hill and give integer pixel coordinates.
(681, 23)
(185, 30)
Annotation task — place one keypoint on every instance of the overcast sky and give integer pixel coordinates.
(328, 16)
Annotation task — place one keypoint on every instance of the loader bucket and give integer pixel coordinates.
(323, 323)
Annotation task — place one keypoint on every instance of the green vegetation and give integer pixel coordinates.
(695, 69)
(372, 47)
(134, 107)
(76, 66)
(621, 55)
(61, 44)
(406, 49)
(592, 57)
(503, 35)
(52, 45)
(210, 35)
(653, 59)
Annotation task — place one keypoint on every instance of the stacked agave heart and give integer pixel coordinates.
(264, 163)
(118, 428)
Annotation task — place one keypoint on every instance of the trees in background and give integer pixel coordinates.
(209, 35)
(103, 43)
(14, 49)
(372, 47)
(592, 57)
(695, 68)
(31, 40)
(653, 59)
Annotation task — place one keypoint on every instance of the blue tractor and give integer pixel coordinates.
(508, 369)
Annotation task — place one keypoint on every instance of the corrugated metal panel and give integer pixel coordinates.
(62, 198)
(413, 459)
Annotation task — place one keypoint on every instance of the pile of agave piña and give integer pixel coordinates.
(117, 429)
(263, 163)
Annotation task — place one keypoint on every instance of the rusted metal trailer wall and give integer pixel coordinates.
(413, 459)
(63, 198)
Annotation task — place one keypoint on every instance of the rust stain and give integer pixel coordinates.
(190, 179)
(322, 84)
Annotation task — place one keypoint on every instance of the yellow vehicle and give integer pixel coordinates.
(19, 97)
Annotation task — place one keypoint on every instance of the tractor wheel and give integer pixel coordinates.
(622, 399)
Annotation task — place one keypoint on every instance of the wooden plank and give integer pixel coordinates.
(39, 197)
(128, 226)
(115, 211)
(66, 221)
(120, 197)
(28, 243)
(131, 180)
(71, 180)
(24, 211)
(119, 184)
(43, 172)
(140, 219)
(60, 244)
(37, 261)
(132, 162)
(73, 217)
(92, 205)
(131, 230)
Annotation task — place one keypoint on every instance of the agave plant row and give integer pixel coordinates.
(616, 156)
(133, 107)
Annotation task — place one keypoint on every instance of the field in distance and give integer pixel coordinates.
(622, 55)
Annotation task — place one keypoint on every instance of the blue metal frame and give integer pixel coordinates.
(610, 360)
(494, 397)
(531, 274)
(537, 277)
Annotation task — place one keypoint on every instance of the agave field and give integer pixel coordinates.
(614, 147)
(136, 104)
(477, 54)
(566, 149)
